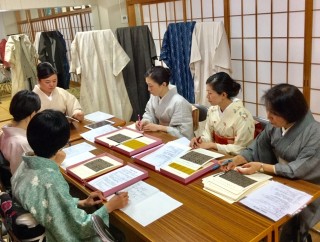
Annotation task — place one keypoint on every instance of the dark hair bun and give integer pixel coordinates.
(45, 69)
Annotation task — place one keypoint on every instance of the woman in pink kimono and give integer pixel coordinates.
(229, 125)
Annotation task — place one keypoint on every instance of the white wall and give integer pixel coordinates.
(8, 24)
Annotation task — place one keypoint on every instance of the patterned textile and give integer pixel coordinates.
(175, 53)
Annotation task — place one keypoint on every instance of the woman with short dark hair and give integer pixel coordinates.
(40, 188)
(229, 125)
(166, 110)
(289, 146)
(13, 141)
(53, 97)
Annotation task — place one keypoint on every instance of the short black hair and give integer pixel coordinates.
(159, 74)
(23, 104)
(286, 101)
(222, 82)
(45, 69)
(47, 132)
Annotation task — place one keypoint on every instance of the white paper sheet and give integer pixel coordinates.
(98, 116)
(90, 135)
(147, 203)
(276, 200)
(76, 159)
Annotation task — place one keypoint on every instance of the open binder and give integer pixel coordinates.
(93, 167)
(118, 179)
(128, 141)
(179, 162)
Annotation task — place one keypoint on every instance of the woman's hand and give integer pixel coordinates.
(94, 198)
(140, 124)
(249, 168)
(152, 127)
(118, 201)
(195, 142)
(237, 160)
(79, 116)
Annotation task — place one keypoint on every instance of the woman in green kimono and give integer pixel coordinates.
(290, 147)
(41, 189)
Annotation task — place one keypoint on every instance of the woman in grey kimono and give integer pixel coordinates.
(289, 146)
(166, 110)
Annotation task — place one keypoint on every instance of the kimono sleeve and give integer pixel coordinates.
(195, 52)
(75, 64)
(120, 57)
(10, 52)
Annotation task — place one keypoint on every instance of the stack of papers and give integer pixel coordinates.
(232, 186)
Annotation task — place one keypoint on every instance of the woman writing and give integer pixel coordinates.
(166, 110)
(53, 97)
(40, 188)
(289, 146)
(229, 126)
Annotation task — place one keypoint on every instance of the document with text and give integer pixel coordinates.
(276, 200)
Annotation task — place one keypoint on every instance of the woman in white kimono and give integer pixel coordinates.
(166, 110)
(229, 125)
(289, 146)
(53, 97)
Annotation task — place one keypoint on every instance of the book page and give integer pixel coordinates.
(120, 136)
(115, 178)
(78, 149)
(135, 144)
(94, 166)
(276, 200)
(76, 159)
(147, 203)
(90, 135)
(98, 116)
(165, 154)
(196, 158)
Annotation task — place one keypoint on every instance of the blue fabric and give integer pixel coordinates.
(175, 53)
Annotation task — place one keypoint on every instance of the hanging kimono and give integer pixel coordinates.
(99, 58)
(53, 49)
(139, 46)
(210, 54)
(175, 53)
(22, 56)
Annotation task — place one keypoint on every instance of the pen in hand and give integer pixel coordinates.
(226, 162)
(139, 122)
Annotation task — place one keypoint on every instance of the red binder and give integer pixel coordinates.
(103, 184)
(71, 171)
(130, 146)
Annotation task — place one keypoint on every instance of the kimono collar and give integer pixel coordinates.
(38, 163)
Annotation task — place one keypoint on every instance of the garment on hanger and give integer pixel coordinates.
(22, 56)
(52, 48)
(210, 54)
(2, 52)
(139, 46)
(99, 58)
(175, 53)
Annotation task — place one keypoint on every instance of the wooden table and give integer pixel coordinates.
(202, 217)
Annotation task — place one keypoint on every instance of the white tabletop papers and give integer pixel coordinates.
(147, 203)
(98, 116)
(276, 200)
(90, 135)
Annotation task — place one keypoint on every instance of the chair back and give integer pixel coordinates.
(260, 124)
(199, 114)
(101, 229)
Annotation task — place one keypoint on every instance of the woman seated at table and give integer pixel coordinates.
(289, 146)
(229, 125)
(13, 141)
(166, 110)
(53, 97)
(40, 188)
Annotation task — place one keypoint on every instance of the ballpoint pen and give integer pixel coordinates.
(72, 119)
(139, 121)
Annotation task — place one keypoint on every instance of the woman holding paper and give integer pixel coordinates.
(166, 110)
(229, 125)
(53, 97)
(41, 189)
(289, 146)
